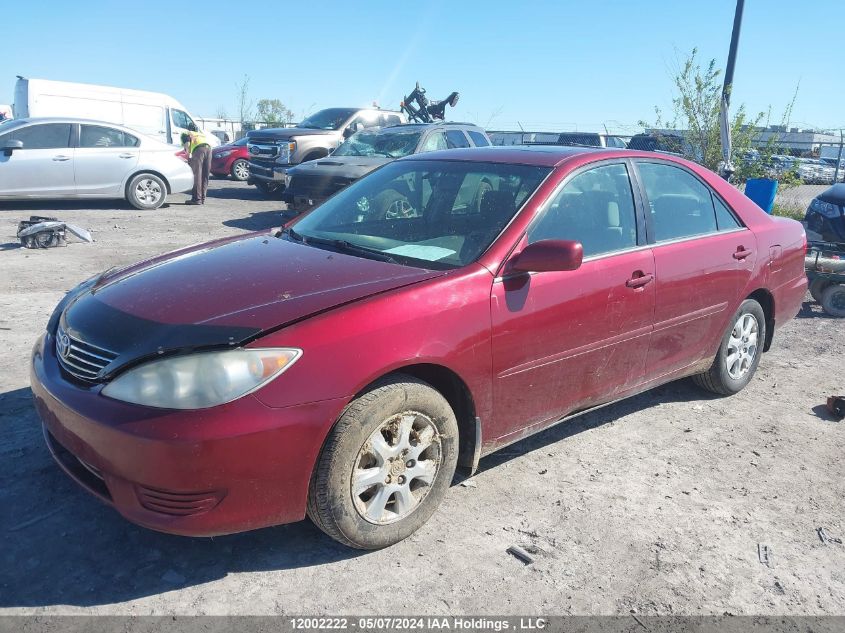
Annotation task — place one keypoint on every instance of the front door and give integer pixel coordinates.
(703, 258)
(44, 167)
(564, 341)
(104, 159)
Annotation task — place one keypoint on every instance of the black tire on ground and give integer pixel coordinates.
(833, 300)
(817, 287)
(718, 379)
(146, 192)
(333, 506)
(240, 169)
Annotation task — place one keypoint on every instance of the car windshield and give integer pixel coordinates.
(390, 143)
(329, 119)
(423, 213)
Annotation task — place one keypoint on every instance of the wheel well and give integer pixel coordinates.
(146, 171)
(459, 397)
(767, 302)
(314, 155)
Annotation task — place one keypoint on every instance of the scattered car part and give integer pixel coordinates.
(836, 405)
(44, 232)
(517, 552)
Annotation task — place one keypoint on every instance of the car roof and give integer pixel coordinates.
(541, 155)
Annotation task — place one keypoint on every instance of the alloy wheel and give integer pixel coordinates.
(742, 346)
(148, 191)
(396, 467)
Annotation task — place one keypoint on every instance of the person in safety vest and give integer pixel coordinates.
(199, 158)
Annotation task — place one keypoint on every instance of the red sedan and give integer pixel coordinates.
(438, 309)
(231, 159)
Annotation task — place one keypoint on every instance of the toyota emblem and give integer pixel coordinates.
(63, 344)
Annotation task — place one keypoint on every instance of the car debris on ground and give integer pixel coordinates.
(826, 538)
(44, 232)
(517, 552)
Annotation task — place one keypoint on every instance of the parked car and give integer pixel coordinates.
(345, 366)
(231, 160)
(152, 113)
(273, 150)
(310, 183)
(82, 158)
(826, 214)
(590, 139)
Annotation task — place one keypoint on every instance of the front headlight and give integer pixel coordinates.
(224, 153)
(201, 380)
(286, 150)
(825, 208)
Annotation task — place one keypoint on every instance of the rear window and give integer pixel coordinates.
(100, 136)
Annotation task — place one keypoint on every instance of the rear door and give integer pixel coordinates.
(104, 158)
(44, 167)
(703, 259)
(563, 341)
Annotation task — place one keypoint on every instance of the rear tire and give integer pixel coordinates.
(269, 189)
(240, 170)
(739, 353)
(386, 465)
(146, 192)
(817, 288)
(833, 300)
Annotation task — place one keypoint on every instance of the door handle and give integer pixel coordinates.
(61, 158)
(639, 280)
(741, 253)
(127, 155)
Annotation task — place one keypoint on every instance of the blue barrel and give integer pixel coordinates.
(762, 192)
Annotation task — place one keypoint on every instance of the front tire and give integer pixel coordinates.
(240, 170)
(146, 192)
(739, 353)
(269, 189)
(386, 465)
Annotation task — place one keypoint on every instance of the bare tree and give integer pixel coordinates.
(245, 104)
(221, 112)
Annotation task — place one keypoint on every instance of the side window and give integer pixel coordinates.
(99, 136)
(724, 218)
(456, 138)
(365, 120)
(390, 119)
(478, 138)
(595, 208)
(435, 141)
(46, 136)
(681, 206)
(181, 119)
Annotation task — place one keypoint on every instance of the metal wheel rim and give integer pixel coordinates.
(396, 468)
(241, 170)
(148, 191)
(742, 346)
(399, 209)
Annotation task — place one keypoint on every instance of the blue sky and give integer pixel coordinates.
(556, 64)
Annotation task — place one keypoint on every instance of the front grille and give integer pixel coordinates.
(80, 359)
(263, 151)
(178, 503)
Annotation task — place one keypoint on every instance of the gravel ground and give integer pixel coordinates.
(658, 504)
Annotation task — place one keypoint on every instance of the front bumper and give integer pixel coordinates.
(231, 468)
(263, 173)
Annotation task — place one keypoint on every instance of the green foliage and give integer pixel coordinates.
(272, 111)
(788, 212)
(696, 109)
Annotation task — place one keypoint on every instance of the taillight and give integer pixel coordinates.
(182, 155)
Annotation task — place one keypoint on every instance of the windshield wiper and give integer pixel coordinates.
(289, 232)
(349, 247)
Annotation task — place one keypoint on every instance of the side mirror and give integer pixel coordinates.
(349, 131)
(548, 256)
(11, 146)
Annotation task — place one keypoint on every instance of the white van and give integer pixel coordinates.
(151, 113)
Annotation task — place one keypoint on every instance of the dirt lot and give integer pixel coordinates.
(657, 504)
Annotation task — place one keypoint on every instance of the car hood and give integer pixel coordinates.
(834, 195)
(222, 293)
(340, 166)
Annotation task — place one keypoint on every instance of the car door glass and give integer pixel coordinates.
(46, 136)
(680, 204)
(478, 138)
(181, 119)
(724, 218)
(595, 208)
(456, 138)
(100, 136)
(435, 141)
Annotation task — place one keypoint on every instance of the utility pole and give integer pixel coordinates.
(727, 167)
